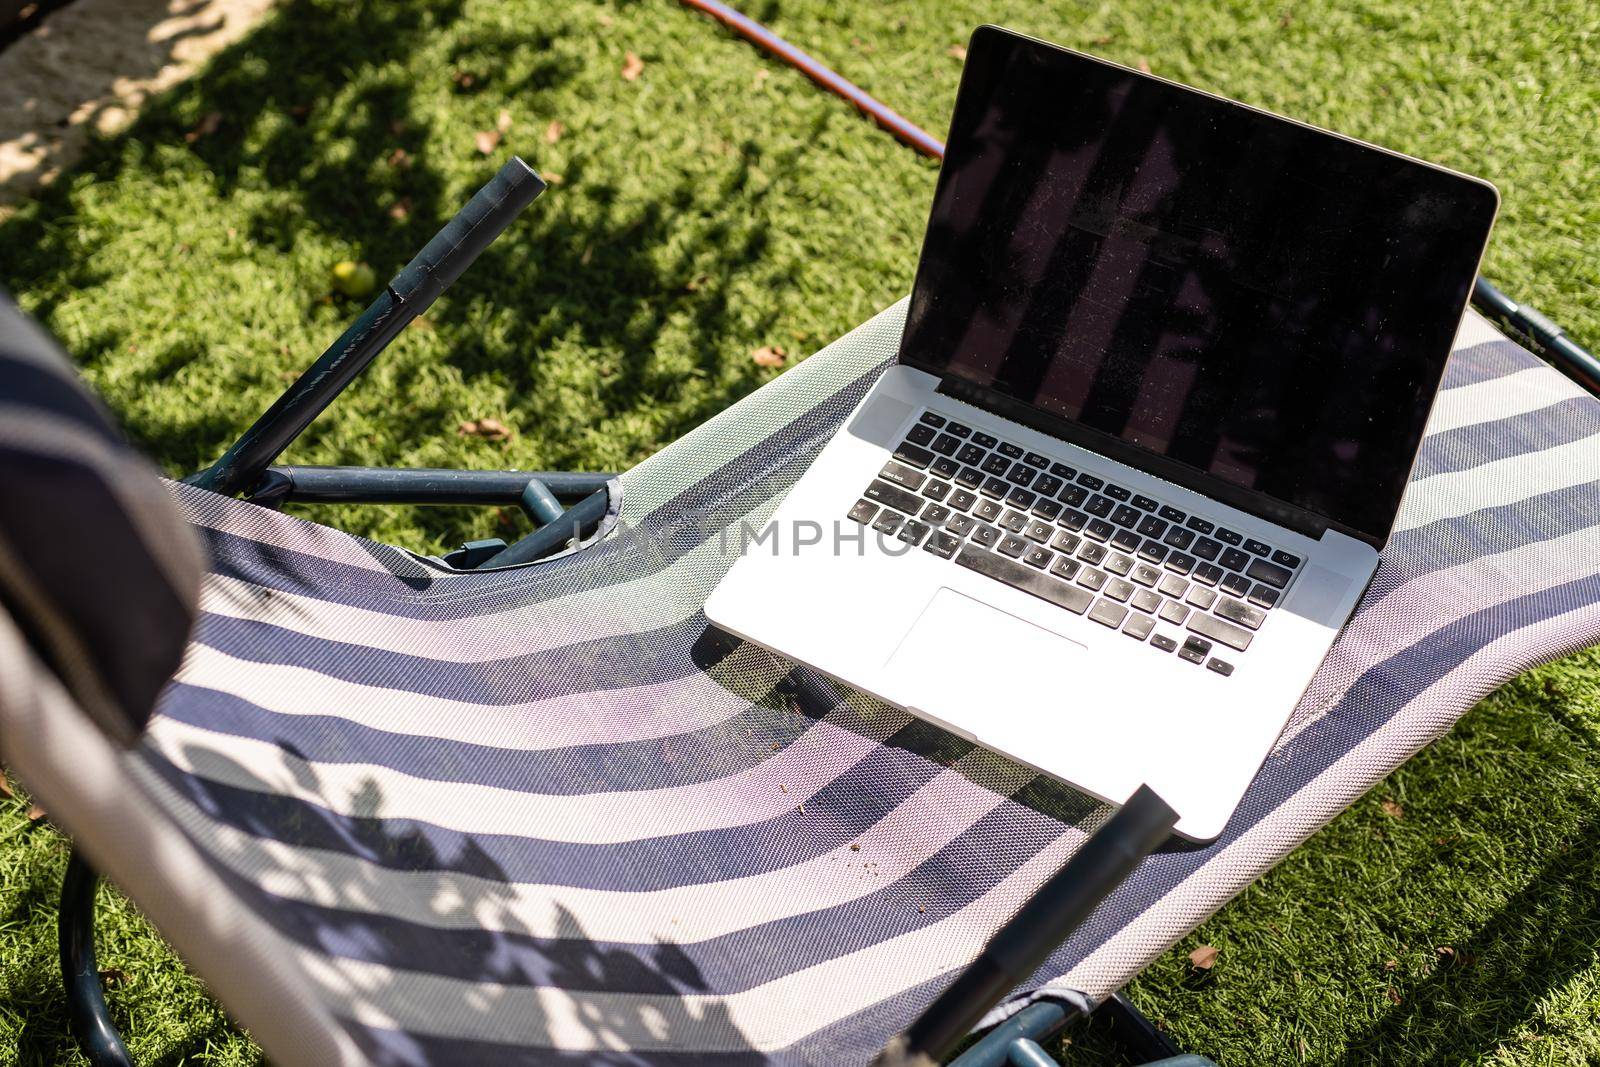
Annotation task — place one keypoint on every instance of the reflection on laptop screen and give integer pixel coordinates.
(1266, 303)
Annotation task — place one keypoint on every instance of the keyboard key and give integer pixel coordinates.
(1020, 498)
(1234, 559)
(1181, 563)
(1033, 459)
(1118, 564)
(902, 476)
(1126, 540)
(1047, 485)
(1173, 586)
(983, 440)
(985, 535)
(1025, 578)
(1153, 552)
(1237, 584)
(1194, 649)
(1286, 559)
(987, 510)
(1107, 612)
(1263, 596)
(863, 511)
(1226, 633)
(1219, 667)
(971, 455)
(1238, 611)
(1013, 521)
(1090, 578)
(1206, 549)
(1171, 514)
(1173, 612)
(995, 487)
(1201, 597)
(891, 496)
(1178, 537)
(1066, 542)
(1209, 573)
(945, 467)
(1012, 545)
(1116, 492)
(1126, 515)
(961, 500)
(1073, 496)
(996, 464)
(1099, 529)
(957, 429)
(971, 477)
(1144, 503)
(936, 490)
(1147, 600)
(1145, 574)
(914, 455)
(1038, 557)
(1061, 470)
(1089, 481)
(946, 445)
(960, 525)
(1099, 505)
(1199, 525)
(1011, 450)
(1065, 568)
(1119, 590)
(1090, 552)
(1163, 642)
(934, 514)
(1150, 526)
(1038, 531)
(1138, 626)
(942, 544)
(913, 532)
(1046, 509)
(920, 435)
(932, 419)
(888, 522)
(1269, 573)
(1260, 548)
(1021, 475)
(1227, 536)
(1073, 520)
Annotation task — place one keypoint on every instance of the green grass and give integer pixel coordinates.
(720, 203)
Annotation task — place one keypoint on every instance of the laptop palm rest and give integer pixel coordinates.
(954, 628)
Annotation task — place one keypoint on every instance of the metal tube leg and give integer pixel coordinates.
(86, 1003)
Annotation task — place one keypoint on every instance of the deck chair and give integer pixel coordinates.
(533, 809)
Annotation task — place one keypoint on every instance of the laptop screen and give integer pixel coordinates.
(1268, 305)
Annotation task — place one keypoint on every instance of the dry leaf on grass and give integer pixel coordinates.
(399, 159)
(1144, 64)
(552, 177)
(5, 786)
(486, 140)
(205, 127)
(1394, 996)
(767, 356)
(1393, 810)
(632, 67)
(502, 121)
(490, 429)
(400, 210)
(957, 51)
(464, 79)
(1204, 958)
(35, 813)
(553, 132)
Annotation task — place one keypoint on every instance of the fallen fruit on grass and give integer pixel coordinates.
(354, 279)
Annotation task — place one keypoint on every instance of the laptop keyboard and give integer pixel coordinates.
(1174, 581)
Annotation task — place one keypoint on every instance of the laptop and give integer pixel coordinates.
(1165, 369)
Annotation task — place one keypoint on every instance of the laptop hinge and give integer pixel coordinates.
(1257, 504)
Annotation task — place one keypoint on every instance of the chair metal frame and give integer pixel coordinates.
(1013, 953)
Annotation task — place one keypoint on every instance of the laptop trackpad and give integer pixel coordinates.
(963, 659)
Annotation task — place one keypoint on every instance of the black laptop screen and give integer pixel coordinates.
(1264, 303)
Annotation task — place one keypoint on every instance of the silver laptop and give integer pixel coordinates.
(1165, 369)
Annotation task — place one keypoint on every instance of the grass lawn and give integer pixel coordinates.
(719, 203)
